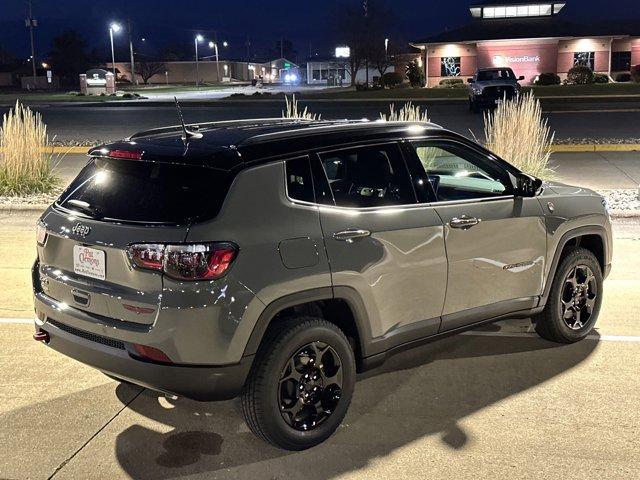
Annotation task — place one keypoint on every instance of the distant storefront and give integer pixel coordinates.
(531, 38)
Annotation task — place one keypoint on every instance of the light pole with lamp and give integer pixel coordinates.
(386, 48)
(114, 27)
(199, 38)
(214, 45)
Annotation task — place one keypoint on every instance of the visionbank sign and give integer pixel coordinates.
(503, 60)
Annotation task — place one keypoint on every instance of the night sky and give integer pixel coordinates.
(308, 24)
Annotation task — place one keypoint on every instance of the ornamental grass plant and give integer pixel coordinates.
(26, 155)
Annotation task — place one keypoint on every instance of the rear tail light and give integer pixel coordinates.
(207, 261)
(126, 154)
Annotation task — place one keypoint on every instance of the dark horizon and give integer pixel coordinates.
(309, 27)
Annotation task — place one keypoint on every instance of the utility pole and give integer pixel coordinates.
(31, 23)
(248, 45)
(281, 47)
(134, 80)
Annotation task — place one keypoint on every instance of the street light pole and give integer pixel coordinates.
(134, 80)
(114, 27)
(113, 55)
(198, 39)
(32, 23)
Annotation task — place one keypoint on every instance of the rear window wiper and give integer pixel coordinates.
(85, 207)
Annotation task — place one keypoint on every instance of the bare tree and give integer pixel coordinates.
(148, 69)
(364, 34)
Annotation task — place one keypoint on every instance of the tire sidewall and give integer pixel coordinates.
(579, 257)
(286, 435)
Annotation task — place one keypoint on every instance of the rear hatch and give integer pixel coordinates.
(112, 204)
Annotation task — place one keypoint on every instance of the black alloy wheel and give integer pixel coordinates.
(310, 386)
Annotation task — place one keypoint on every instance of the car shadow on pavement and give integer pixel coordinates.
(425, 391)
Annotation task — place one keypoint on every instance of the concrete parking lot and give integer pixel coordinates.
(495, 403)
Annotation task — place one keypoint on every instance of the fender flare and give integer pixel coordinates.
(566, 238)
(347, 294)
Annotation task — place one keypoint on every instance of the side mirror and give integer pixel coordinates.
(526, 185)
(521, 77)
(470, 80)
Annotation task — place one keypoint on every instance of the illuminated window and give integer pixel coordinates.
(586, 59)
(476, 12)
(536, 10)
(557, 7)
(450, 67)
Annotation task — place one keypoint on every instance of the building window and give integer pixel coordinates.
(450, 67)
(316, 74)
(620, 61)
(585, 59)
(538, 10)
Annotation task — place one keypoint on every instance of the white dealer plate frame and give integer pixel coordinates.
(89, 262)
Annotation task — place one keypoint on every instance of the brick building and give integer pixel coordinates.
(532, 38)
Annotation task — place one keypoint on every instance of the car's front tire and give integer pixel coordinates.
(301, 383)
(574, 299)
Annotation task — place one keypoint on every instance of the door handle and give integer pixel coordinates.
(464, 222)
(350, 235)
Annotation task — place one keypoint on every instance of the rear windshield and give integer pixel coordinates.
(501, 74)
(136, 191)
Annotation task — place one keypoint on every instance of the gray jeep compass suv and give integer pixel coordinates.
(275, 259)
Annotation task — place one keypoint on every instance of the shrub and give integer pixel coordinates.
(601, 78)
(25, 164)
(635, 73)
(415, 74)
(292, 111)
(580, 75)
(623, 77)
(451, 82)
(517, 132)
(548, 79)
(408, 113)
(391, 79)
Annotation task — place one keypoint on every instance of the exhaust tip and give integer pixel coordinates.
(41, 336)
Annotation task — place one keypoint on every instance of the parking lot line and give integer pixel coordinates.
(24, 321)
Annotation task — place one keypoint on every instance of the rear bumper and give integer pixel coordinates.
(203, 383)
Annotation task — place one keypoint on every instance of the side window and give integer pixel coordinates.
(458, 173)
(299, 180)
(371, 176)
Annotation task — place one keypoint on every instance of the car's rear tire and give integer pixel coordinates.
(574, 299)
(301, 383)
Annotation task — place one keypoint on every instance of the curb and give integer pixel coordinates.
(596, 147)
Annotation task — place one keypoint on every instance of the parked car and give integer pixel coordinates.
(489, 86)
(275, 259)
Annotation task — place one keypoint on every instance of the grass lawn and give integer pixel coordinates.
(43, 97)
(143, 90)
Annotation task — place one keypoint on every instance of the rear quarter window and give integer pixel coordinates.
(146, 192)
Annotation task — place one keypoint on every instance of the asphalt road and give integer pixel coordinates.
(593, 119)
(496, 403)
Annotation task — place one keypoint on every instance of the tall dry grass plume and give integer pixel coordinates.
(408, 113)
(291, 110)
(516, 132)
(25, 154)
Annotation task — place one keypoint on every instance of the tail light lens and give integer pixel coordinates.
(185, 262)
